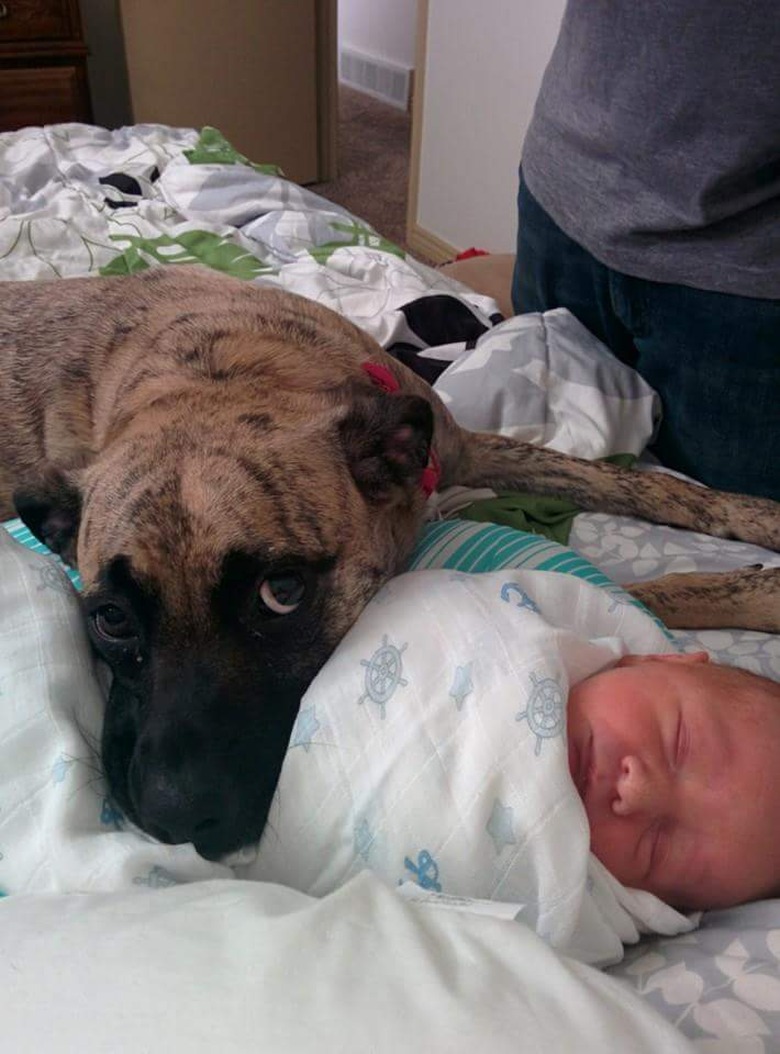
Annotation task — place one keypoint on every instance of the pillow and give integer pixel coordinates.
(22, 534)
(545, 379)
(720, 985)
(58, 829)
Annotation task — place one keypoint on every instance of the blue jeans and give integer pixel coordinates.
(713, 358)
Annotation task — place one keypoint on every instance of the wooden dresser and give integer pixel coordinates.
(43, 57)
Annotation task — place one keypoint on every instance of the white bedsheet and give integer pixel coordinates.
(246, 966)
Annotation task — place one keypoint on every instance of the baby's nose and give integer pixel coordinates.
(637, 789)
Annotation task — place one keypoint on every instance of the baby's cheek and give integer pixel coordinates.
(613, 842)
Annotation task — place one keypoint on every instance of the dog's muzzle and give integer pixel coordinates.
(204, 772)
(210, 794)
(191, 802)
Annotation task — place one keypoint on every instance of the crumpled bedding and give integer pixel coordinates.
(188, 197)
(243, 966)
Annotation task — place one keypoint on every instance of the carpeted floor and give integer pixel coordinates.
(373, 163)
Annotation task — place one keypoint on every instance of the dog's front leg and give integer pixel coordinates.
(748, 598)
(488, 460)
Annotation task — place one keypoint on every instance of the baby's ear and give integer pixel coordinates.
(686, 659)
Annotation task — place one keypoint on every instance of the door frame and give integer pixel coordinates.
(326, 29)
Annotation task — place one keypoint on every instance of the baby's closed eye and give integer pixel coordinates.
(681, 744)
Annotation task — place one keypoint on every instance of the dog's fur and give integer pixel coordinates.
(234, 488)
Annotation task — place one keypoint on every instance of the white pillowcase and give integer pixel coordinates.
(545, 379)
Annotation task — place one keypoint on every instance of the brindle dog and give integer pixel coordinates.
(220, 463)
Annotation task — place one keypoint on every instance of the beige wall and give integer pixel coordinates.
(483, 66)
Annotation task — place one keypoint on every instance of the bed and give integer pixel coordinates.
(215, 963)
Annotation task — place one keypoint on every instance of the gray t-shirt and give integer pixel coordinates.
(655, 141)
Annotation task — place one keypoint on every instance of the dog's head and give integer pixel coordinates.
(225, 550)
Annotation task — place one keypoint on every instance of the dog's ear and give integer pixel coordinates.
(387, 441)
(51, 508)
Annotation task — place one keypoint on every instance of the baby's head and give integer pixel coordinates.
(677, 761)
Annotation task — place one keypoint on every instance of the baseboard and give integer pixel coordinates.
(383, 80)
(429, 245)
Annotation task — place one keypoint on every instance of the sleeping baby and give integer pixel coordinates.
(494, 741)
(676, 762)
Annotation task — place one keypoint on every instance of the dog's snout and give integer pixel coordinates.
(175, 814)
(198, 758)
(181, 798)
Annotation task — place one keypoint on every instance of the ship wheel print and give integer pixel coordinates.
(51, 577)
(545, 712)
(383, 674)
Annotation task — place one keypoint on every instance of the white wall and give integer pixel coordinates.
(383, 28)
(484, 63)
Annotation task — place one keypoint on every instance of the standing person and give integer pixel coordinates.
(649, 205)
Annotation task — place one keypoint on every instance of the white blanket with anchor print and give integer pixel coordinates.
(431, 750)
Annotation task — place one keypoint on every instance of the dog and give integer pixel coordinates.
(236, 470)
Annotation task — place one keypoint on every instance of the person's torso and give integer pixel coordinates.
(655, 141)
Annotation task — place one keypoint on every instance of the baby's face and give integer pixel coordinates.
(679, 773)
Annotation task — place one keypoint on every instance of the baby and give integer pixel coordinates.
(677, 762)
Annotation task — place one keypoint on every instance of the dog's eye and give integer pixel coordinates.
(112, 624)
(282, 593)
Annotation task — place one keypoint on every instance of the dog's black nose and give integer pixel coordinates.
(178, 817)
(183, 806)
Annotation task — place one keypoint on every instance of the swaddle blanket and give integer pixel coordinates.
(430, 749)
